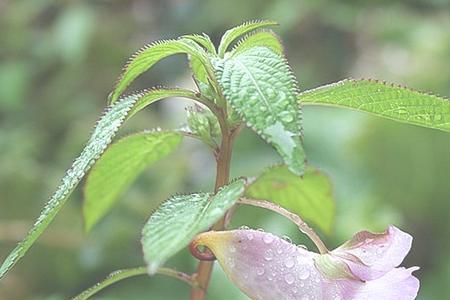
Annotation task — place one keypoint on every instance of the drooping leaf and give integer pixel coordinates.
(265, 38)
(103, 133)
(234, 33)
(260, 86)
(390, 101)
(119, 166)
(145, 58)
(309, 196)
(176, 222)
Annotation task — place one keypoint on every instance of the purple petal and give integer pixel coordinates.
(398, 284)
(371, 255)
(266, 267)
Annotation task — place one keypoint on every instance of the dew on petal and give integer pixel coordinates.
(289, 262)
(268, 238)
(289, 278)
(268, 254)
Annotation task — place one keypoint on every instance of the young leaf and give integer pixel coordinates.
(176, 222)
(119, 166)
(204, 40)
(103, 133)
(266, 38)
(260, 86)
(234, 33)
(145, 58)
(309, 196)
(393, 102)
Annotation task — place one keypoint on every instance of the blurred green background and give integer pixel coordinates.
(59, 59)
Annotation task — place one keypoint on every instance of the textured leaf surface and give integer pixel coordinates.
(234, 33)
(103, 133)
(309, 196)
(261, 88)
(145, 58)
(385, 100)
(119, 166)
(176, 222)
(265, 38)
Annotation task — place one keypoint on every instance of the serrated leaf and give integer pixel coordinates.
(390, 101)
(309, 196)
(145, 58)
(179, 219)
(234, 33)
(119, 166)
(204, 40)
(266, 38)
(103, 133)
(260, 86)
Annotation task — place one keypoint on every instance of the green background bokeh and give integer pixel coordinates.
(59, 59)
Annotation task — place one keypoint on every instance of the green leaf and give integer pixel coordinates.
(234, 33)
(309, 196)
(204, 40)
(179, 219)
(103, 133)
(119, 166)
(145, 58)
(260, 86)
(204, 124)
(385, 100)
(266, 38)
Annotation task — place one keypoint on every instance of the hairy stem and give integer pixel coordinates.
(223, 158)
(291, 216)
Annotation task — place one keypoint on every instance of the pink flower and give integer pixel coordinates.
(265, 266)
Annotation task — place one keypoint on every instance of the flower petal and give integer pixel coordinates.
(371, 255)
(266, 267)
(398, 284)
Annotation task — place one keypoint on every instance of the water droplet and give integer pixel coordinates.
(289, 278)
(287, 239)
(289, 262)
(303, 273)
(268, 254)
(281, 96)
(260, 271)
(303, 247)
(270, 92)
(243, 227)
(287, 118)
(232, 249)
(231, 263)
(268, 238)
(249, 236)
(260, 230)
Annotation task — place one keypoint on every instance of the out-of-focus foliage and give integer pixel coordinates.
(59, 60)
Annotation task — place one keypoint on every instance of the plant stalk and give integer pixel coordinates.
(223, 159)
